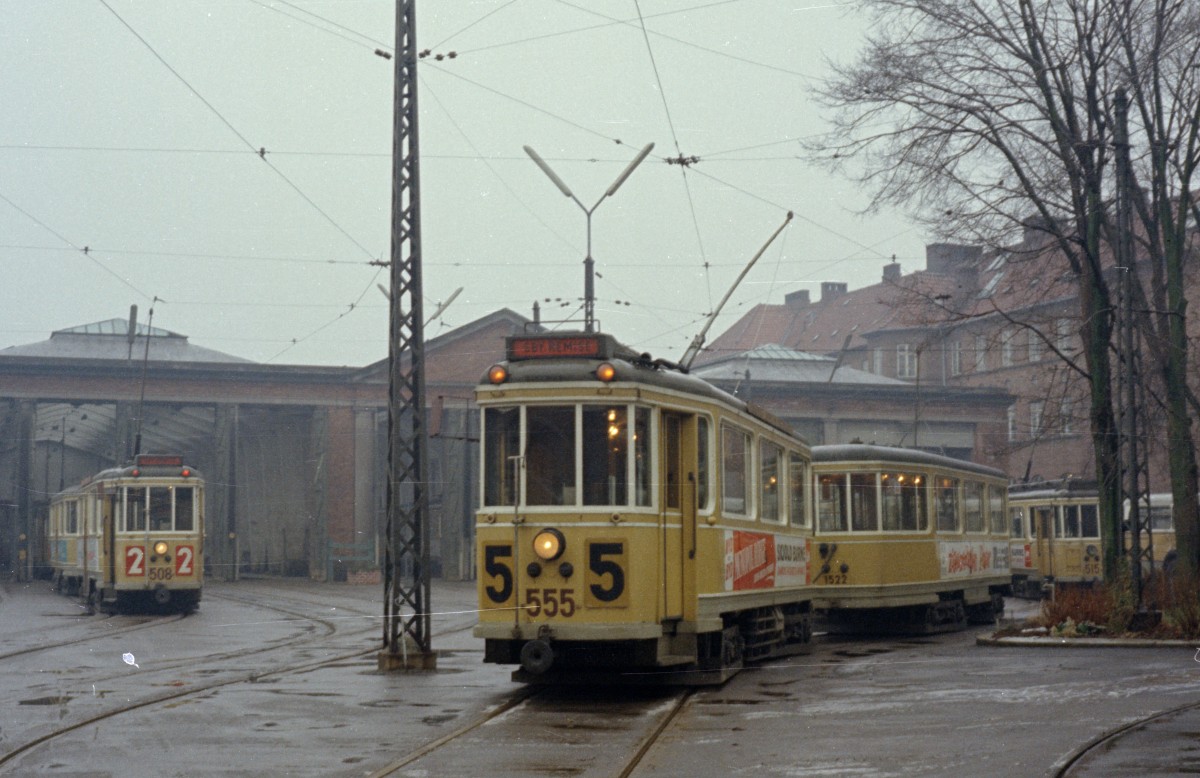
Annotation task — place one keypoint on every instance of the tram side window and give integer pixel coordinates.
(502, 441)
(831, 502)
(1068, 522)
(946, 504)
(1017, 522)
(1161, 518)
(605, 455)
(1089, 518)
(798, 479)
(735, 463)
(702, 469)
(973, 506)
(135, 509)
(550, 455)
(72, 518)
(770, 456)
(903, 502)
(641, 454)
(996, 508)
(185, 510)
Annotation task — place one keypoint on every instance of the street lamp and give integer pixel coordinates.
(589, 266)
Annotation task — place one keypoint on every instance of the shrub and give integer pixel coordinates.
(1178, 597)
(1076, 606)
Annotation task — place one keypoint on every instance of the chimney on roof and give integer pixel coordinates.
(797, 299)
(1036, 231)
(891, 272)
(950, 258)
(832, 289)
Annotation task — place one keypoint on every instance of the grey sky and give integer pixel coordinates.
(105, 145)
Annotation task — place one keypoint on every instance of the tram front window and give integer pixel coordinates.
(550, 455)
(903, 502)
(135, 510)
(160, 509)
(831, 502)
(502, 442)
(184, 511)
(605, 456)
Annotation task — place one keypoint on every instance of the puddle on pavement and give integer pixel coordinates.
(46, 701)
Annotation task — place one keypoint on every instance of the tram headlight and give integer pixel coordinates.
(160, 547)
(497, 374)
(606, 372)
(549, 544)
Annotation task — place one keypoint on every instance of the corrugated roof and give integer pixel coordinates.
(773, 363)
(109, 340)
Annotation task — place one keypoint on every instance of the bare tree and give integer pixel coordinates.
(1160, 57)
(975, 115)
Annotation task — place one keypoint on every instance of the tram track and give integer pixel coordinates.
(1111, 739)
(611, 736)
(177, 691)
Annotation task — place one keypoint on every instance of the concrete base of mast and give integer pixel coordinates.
(406, 657)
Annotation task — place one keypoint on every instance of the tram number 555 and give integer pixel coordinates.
(604, 584)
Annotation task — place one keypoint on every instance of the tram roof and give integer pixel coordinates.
(865, 452)
(631, 366)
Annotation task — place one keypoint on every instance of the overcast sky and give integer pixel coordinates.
(129, 172)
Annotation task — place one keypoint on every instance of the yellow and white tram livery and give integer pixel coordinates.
(635, 520)
(1056, 536)
(906, 539)
(131, 535)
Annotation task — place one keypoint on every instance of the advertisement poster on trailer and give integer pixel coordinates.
(962, 558)
(758, 560)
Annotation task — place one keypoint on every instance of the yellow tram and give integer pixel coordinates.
(638, 523)
(635, 520)
(907, 539)
(131, 536)
(1056, 538)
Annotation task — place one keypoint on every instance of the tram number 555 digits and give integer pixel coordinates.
(604, 584)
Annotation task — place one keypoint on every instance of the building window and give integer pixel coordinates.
(1012, 422)
(1062, 335)
(1066, 410)
(1035, 418)
(1035, 346)
(1006, 347)
(906, 362)
(878, 357)
(956, 358)
(980, 353)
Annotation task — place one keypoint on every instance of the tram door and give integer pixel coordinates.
(678, 520)
(109, 505)
(1042, 524)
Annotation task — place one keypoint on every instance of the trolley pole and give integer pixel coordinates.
(406, 634)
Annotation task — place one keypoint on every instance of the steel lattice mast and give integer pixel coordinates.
(406, 637)
(1135, 488)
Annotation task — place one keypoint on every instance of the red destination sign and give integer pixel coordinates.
(151, 460)
(541, 348)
